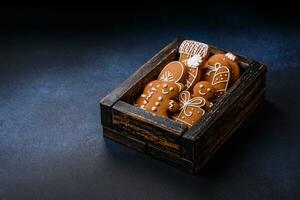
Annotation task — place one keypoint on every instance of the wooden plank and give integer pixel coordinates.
(170, 158)
(125, 140)
(206, 154)
(109, 100)
(142, 124)
(211, 117)
(229, 118)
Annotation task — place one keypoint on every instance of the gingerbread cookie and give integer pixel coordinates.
(157, 98)
(191, 109)
(206, 90)
(174, 72)
(221, 70)
(193, 55)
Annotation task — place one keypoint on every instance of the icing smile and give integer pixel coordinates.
(165, 91)
(202, 93)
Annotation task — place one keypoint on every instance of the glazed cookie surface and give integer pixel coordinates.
(174, 72)
(191, 109)
(193, 55)
(157, 98)
(206, 90)
(221, 71)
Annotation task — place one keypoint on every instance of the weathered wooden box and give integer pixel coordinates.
(183, 147)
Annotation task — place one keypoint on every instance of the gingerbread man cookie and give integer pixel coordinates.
(191, 109)
(174, 72)
(206, 90)
(157, 97)
(193, 55)
(221, 70)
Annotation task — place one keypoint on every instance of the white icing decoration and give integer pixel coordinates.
(165, 85)
(202, 93)
(194, 61)
(196, 102)
(149, 96)
(153, 89)
(171, 104)
(171, 88)
(230, 56)
(190, 76)
(217, 81)
(153, 108)
(167, 76)
(145, 102)
(157, 103)
(192, 48)
(143, 95)
(165, 91)
(160, 98)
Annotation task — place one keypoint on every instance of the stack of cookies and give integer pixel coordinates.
(187, 88)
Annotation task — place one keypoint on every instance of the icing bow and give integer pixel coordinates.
(196, 102)
(214, 68)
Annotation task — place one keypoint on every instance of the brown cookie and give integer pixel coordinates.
(174, 72)
(191, 109)
(228, 60)
(206, 90)
(193, 55)
(157, 97)
(221, 71)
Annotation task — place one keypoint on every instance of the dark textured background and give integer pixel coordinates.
(57, 61)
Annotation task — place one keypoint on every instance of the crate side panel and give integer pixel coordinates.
(143, 125)
(211, 118)
(204, 155)
(125, 140)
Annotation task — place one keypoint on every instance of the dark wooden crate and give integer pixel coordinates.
(176, 144)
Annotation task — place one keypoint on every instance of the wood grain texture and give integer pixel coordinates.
(124, 139)
(170, 158)
(204, 155)
(139, 123)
